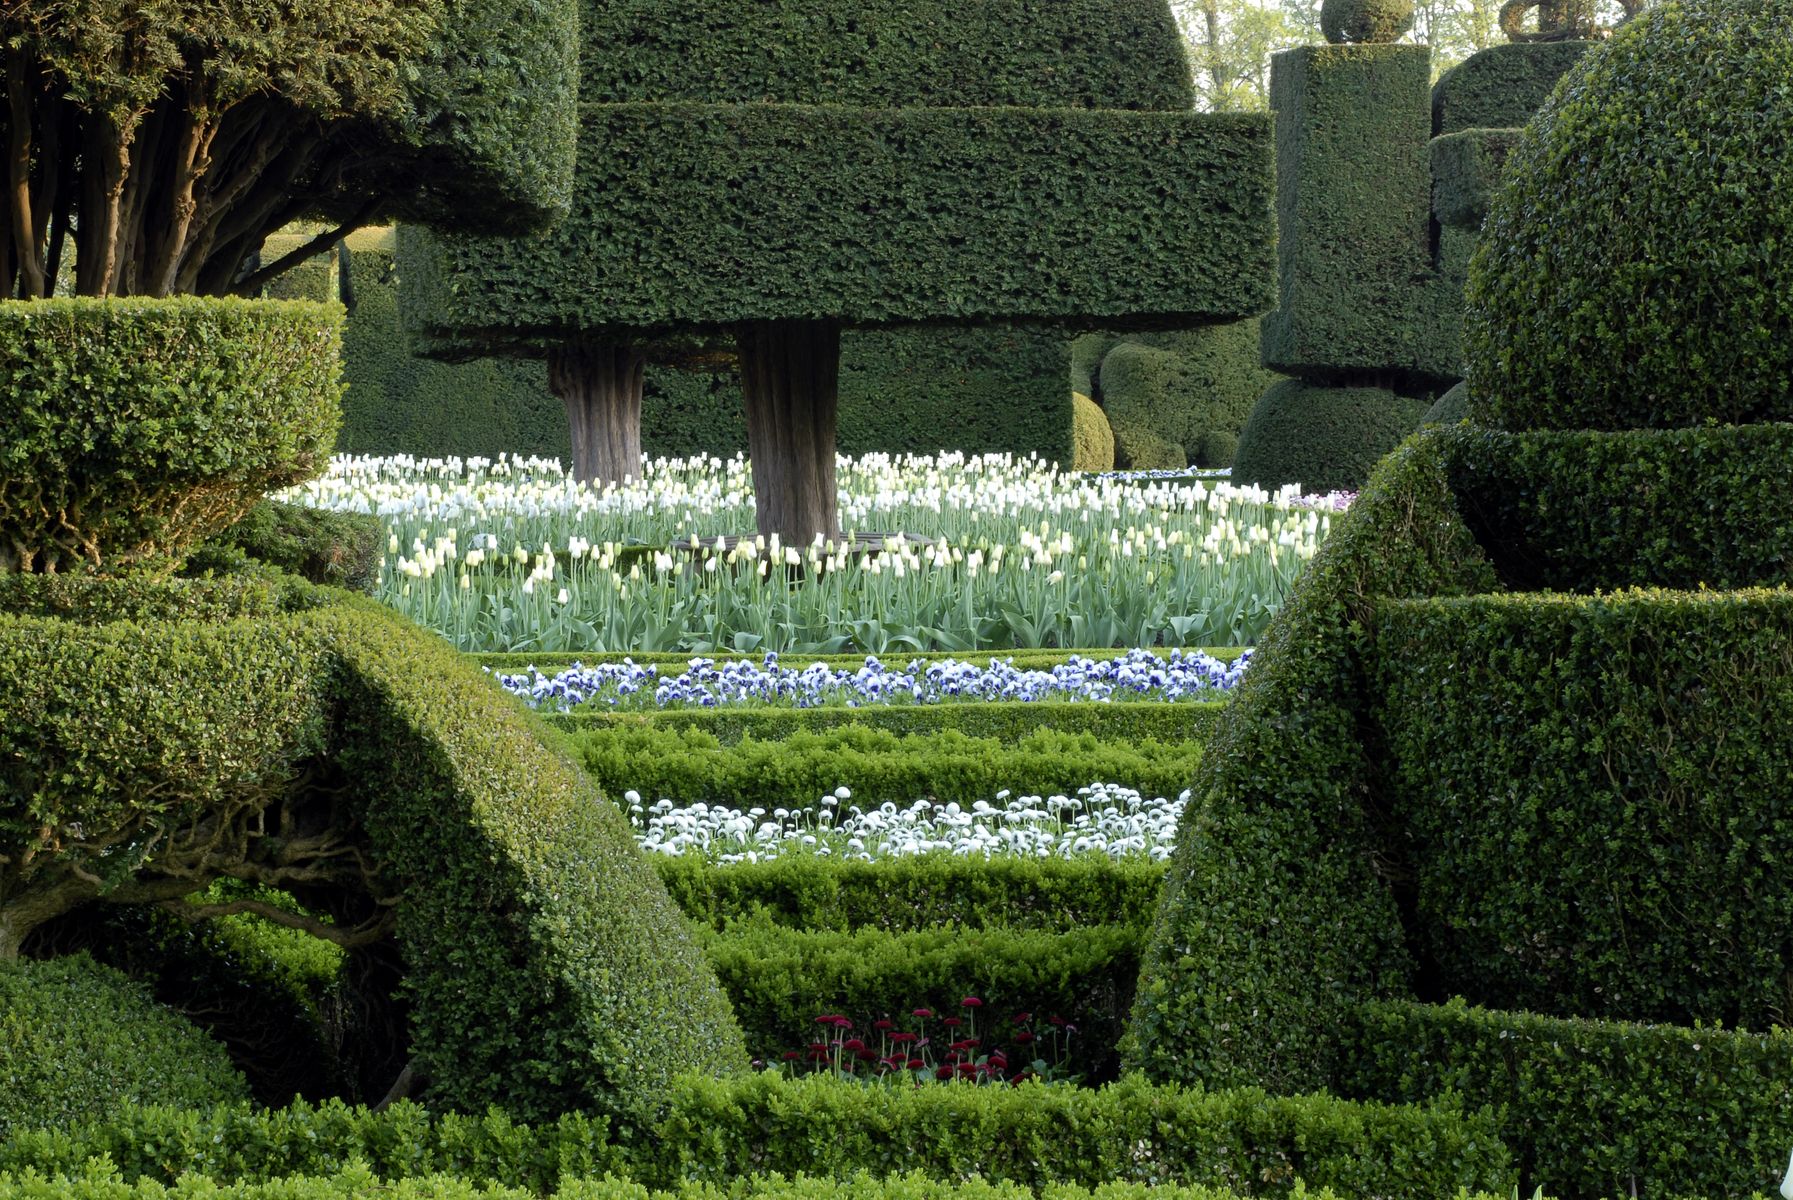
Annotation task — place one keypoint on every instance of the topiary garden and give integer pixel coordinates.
(463, 826)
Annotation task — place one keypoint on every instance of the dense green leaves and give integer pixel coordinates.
(129, 430)
(1179, 399)
(1624, 740)
(1502, 86)
(81, 1042)
(1324, 438)
(879, 767)
(1634, 269)
(870, 216)
(1594, 1108)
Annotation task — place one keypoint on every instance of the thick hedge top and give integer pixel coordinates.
(1636, 271)
(886, 53)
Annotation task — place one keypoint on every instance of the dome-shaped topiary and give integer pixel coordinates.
(79, 1042)
(1094, 450)
(1365, 20)
(1636, 269)
(1324, 438)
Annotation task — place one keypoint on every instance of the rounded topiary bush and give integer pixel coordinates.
(1636, 269)
(1365, 20)
(1449, 408)
(1324, 438)
(1094, 449)
(132, 429)
(79, 1041)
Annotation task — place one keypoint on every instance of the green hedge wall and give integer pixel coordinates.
(1623, 740)
(82, 1042)
(1324, 438)
(841, 213)
(808, 893)
(1273, 924)
(1594, 1108)
(717, 1132)
(514, 872)
(688, 765)
(1466, 173)
(1577, 510)
(356, 1180)
(781, 980)
(132, 429)
(398, 402)
(1005, 721)
(1501, 87)
(1354, 210)
(926, 53)
(1180, 399)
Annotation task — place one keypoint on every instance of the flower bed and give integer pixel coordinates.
(705, 683)
(993, 552)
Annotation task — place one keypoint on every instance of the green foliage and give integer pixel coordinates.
(1594, 1108)
(688, 765)
(916, 892)
(1354, 211)
(1466, 172)
(685, 414)
(1449, 408)
(84, 599)
(341, 549)
(935, 1157)
(1365, 20)
(130, 430)
(1576, 511)
(780, 980)
(1087, 351)
(81, 1042)
(932, 54)
(1501, 87)
(984, 390)
(1091, 436)
(1040, 1135)
(1628, 274)
(682, 194)
(1174, 400)
(314, 279)
(586, 989)
(398, 402)
(239, 1144)
(1324, 438)
(1005, 721)
(1622, 740)
(1273, 924)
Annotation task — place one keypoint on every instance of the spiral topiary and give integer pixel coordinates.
(1636, 269)
(1365, 20)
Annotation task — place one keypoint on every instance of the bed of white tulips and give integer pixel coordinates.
(995, 552)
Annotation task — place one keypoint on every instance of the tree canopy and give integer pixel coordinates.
(151, 145)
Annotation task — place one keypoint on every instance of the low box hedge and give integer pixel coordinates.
(1004, 720)
(718, 1131)
(917, 892)
(689, 765)
(781, 980)
(1593, 1108)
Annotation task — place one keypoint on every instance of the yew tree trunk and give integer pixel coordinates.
(790, 383)
(601, 388)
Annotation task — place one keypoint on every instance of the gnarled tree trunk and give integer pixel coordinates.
(790, 382)
(601, 388)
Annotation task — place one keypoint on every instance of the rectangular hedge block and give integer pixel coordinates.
(1354, 213)
(709, 215)
(1594, 1108)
